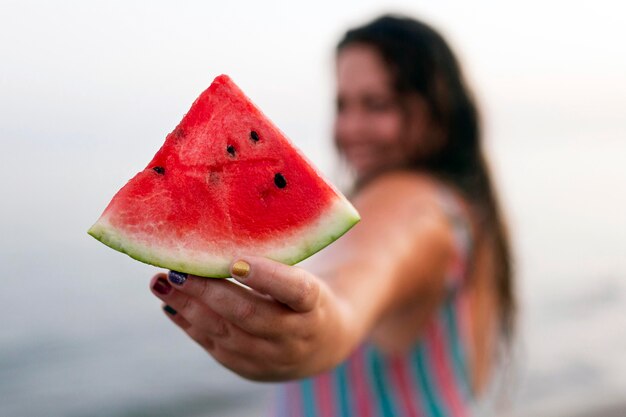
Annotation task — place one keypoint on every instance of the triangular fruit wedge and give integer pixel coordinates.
(225, 182)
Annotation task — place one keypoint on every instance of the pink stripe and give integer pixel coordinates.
(358, 376)
(401, 380)
(443, 371)
(324, 393)
(459, 268)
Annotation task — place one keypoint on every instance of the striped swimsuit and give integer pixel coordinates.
(431, 380)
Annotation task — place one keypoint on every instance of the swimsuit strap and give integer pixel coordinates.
(463, 236)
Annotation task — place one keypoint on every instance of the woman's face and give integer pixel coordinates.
(370, 125)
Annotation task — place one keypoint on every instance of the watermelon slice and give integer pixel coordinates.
(225, 182)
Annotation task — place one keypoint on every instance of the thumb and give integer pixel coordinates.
(289, 285)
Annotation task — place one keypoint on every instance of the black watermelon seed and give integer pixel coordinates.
(231, 150)
(254, 136)
(159, 170)
(280, 181)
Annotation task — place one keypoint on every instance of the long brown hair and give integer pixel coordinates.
(422, 63)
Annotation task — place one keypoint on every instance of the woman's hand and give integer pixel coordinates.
(286, 325)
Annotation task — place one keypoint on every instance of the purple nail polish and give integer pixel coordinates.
(177, 278)
(169, 310)
(162, 286)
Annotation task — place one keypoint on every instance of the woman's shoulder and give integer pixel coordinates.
(406, 188)
(405, 205)
(415, 201)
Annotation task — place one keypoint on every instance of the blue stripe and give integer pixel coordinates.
(431, 403)
(387, 407)
(368, 365)
(343, 394)
(422, 405)
(454, 343)
(429, 348)
(308, 398)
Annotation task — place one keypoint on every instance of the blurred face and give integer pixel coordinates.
(370, 126)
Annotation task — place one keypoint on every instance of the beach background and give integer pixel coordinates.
(89, 90)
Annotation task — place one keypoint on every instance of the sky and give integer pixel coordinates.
(90, 89)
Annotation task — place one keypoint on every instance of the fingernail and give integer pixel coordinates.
(177, 278)
(241, 269)
(162, 286)
(169, 310)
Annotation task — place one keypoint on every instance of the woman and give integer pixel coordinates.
(403, 315)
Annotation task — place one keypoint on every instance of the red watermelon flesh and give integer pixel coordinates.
(225, 182)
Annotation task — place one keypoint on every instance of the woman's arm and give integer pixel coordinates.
(290, 323)
(390, 269)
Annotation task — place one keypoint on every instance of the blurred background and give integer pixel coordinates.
(89, 90)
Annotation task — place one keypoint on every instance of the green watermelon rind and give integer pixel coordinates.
(340, 217)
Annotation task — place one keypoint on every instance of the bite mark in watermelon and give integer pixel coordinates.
(226, 181)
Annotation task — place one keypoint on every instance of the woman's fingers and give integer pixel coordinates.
(289, 285)
(182, 309)
(253, 312)
(175, 317)
(215, 304)
(273, 309)
(266, 323)
(230, 338)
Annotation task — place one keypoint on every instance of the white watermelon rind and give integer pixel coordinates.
(290, 249)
